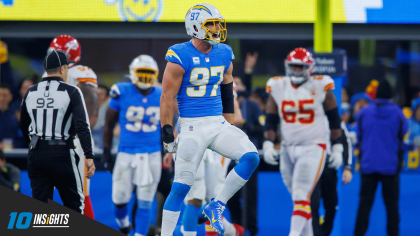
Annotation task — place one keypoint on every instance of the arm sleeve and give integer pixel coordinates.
(404, 128)
(25, 119)
(173, 55)
(347, 152)
(327, 83)
(81, 122)
(114, 102)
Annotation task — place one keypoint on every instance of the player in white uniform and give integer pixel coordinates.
(307, 108)
(86, 80)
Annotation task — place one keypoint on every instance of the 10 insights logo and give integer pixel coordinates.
(23, 220)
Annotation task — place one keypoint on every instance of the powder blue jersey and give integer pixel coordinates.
(199, 94)
(139, 118)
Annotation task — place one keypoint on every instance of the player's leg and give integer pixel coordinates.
(194, 201)
(330, 198)
(122, 189)
(215, 177)
(191, 146)
(145, 195)
(286, 166)
(85, 181)
(310, 160)
(231, 142)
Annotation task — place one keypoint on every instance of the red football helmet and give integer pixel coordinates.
(299, 64)
(69, 45)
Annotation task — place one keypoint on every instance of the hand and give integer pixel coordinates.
(336, 157)
(250, 61)
(167, 161)
(347, 176)
(169, 147)
(90, 168)
(270, 154)
(108, 160)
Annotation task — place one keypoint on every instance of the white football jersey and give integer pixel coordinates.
(82, 74)
(301, 110)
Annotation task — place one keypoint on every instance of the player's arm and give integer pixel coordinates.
(238, 118)
(172, 79)
(331, 111)
(272, 122)
(334, 120)
(25, 119)
(272, 119)
(91, 101)
(226, 91)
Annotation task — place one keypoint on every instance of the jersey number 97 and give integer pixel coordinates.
(136, 115)
(200, 77)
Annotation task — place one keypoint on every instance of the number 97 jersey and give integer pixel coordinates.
(139, 118)
(301, 110)
(199, 94)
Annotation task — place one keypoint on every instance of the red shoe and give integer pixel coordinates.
(240, 231)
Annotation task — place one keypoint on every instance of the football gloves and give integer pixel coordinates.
(271, 156)
(336, 157)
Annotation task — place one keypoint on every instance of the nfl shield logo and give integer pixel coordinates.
(191, 128)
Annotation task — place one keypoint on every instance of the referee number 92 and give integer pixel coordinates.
(42, 102)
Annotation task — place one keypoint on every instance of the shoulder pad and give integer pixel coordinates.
(114, 92)
(270, 83)
(172, 56)
(228, 51)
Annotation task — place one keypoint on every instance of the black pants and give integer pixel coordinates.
(390, 193)
(326, 189)
(56, 166)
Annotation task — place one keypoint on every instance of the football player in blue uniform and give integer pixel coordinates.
(139, 162)
(199, 75)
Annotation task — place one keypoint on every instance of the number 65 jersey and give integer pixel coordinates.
(139, 118)
(301, 110)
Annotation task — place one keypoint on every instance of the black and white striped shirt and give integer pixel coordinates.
(55, 110)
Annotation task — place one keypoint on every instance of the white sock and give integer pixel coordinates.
(137, 234)
(308, 230)
(297, 224)
(188, 233)
(169, 220)
(229, 228)
(233, 183)
(123, 223)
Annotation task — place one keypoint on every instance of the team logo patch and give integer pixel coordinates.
(144, 100)
(196, 60)
(171, 53)
(207, 59)
(191, 128)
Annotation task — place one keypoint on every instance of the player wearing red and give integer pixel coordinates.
(307, 109)
(86, 80)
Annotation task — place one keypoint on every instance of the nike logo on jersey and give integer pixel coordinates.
(212, 218)
(223, 122)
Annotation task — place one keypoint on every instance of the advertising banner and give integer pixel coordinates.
(249, 11)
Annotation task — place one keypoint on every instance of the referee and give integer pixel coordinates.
(52, 113)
